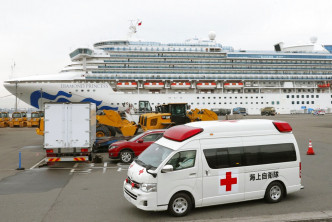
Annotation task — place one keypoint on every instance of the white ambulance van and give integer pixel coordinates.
(215, 162)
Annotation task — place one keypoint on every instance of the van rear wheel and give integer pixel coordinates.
(180, 205)
(274, 192)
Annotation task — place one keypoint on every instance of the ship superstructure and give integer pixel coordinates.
(119, 73)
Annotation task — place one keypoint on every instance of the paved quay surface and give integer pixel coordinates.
(93, 192)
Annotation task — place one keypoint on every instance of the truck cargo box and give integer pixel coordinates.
(70, 131)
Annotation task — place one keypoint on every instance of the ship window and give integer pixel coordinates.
(225, 97)
(302, 96)
(272, 102)
(307, 102)
(118, 103)
(277, 102)
(297, 96)
(235, 97)
(312, 96)
(220, 97)
(293, 102)
(292, 96)
(262, 103)
(298, 102)
(235, 103)
(208, 97)
(252, 103)
(256, 102)
(69, 92)
(287, 96)
(312, 102)
(197, 103)
(219, 102)
(197, 97)
(307, 96)
(302, 102)
(317, 96)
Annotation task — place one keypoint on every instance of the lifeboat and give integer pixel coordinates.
(154, 85)
(326, 85)
(180, 85)
(126, 85)
(206, 85)
(233, 85)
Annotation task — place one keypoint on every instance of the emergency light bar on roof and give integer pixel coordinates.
(283, 127)
(182, 132)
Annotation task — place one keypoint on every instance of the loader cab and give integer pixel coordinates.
(4, 115)
(17, 115)
(144, 106)
(178, 113)
(35, 115)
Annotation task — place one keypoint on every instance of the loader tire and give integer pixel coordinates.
(112, 130)
(102, 131)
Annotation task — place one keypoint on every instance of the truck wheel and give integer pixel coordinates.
(274, 192)
(102, 131)
(180, 205)
(126, 156)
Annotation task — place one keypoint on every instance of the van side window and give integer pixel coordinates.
(183, 160)
(224, 157)
(266, 154)
(249, 155)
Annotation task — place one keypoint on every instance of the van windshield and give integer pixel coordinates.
(153, 156)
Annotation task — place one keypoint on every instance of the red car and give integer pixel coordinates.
(127, 150)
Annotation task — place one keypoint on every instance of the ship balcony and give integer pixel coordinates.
(80, 53)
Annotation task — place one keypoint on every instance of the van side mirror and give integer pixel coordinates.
(167, 168)
(140, 141)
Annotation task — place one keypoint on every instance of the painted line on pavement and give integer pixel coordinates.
(37, 164)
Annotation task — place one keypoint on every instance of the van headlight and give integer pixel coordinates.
(148, 187)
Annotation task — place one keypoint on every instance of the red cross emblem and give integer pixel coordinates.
(229, 181)
(141, 171)
(131, 165)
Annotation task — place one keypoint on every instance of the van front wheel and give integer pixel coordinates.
(180, 205)
(274, 192)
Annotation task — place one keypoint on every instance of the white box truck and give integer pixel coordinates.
(70, 131)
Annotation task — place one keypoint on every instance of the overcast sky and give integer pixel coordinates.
(38, 35)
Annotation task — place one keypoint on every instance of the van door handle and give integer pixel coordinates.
(192, 174)
(207, 172)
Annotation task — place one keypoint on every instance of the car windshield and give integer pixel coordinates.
(153, 156)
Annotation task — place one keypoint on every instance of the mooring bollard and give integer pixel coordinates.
(19, 162)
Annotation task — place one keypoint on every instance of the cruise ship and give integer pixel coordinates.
(122, 74)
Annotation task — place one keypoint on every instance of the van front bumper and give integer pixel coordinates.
(142, 200)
